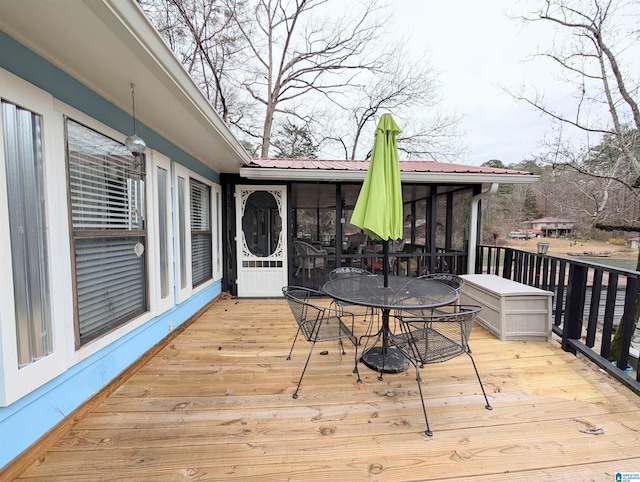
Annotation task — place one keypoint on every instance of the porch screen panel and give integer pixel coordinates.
(22, 133)
(201, 249)
(461, 215)
(108, 219)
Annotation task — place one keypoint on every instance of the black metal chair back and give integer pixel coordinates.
(318, 323)
(455, 281)
(344, 271)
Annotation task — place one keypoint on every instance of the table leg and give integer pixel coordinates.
(384, 358)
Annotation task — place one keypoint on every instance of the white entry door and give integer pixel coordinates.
(261, 240)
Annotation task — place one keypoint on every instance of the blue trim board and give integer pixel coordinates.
(26, 64)
(24, 422)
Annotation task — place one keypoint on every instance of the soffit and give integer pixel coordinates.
(108, 44)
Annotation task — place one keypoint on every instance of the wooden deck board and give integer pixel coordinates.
(215, 404)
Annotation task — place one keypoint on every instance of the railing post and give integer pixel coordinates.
(572, 328)
(609, 313)
(489, 260)
(508, 264)
(537, 281)
(628, 321)
(559, 311)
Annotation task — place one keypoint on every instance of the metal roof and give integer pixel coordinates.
(410, 171)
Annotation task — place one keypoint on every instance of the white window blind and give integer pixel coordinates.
(201, 256)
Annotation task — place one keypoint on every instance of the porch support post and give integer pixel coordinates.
(413, 222)
(432, 217)
(338, 225)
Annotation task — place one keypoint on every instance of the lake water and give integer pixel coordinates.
(616, 263)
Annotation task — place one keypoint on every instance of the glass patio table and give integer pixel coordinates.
(401, 293)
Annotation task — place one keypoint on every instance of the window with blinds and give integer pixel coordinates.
(22, 132)
(109, 232)
(201, 249)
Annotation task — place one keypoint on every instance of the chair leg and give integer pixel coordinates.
(295, 395)
(428, 432)
(294, 343)
(367, 333)
(355, 366)
(488, 405)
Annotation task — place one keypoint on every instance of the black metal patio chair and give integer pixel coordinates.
(435, 338)
(369, 314)
(318, 323)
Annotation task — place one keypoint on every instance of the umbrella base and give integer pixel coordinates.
(390, 361)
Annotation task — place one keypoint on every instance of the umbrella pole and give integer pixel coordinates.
(385, 262)
(385, 312)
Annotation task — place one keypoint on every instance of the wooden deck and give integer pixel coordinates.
(215, 404)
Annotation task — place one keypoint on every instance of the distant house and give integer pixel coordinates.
(552, 227)
(525, 234)
(633, 243)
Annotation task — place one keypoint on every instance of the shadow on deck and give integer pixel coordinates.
(215, 404)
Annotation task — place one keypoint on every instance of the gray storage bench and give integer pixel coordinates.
(510, 310)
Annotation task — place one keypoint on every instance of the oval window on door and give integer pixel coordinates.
(261, 223)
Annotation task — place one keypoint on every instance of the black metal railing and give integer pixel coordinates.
(315, 268)
(590, 300)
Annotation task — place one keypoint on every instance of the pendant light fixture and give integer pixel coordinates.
(134, 143)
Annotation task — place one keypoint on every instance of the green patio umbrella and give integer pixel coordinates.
(378, 210)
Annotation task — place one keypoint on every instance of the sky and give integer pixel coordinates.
(477, 49)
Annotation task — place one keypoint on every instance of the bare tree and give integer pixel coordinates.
(408, 88)
(202, 34)
(591, 57)
(263, 62)
(294, 54)
(605, 95)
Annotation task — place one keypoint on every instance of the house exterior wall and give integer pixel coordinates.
(37, 397)
(550, 226)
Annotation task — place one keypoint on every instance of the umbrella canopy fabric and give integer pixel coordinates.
(378, 210)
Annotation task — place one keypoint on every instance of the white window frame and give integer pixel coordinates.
(17, 382)
(153, 272)
(216, 231)
(157, 302)
(185, 293)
